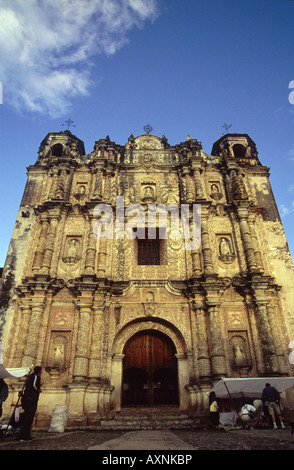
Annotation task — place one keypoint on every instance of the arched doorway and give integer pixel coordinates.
(150, 374)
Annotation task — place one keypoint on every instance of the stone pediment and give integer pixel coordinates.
(148, 141)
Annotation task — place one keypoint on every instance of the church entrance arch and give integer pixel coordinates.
(150, 370)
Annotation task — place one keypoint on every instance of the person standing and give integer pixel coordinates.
(213, 410)
(30, 403)
(271, 397)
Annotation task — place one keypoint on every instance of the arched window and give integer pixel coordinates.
(57, 150)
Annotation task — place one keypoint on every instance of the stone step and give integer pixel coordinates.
(147, 410)
(145, 425)
(136, 419)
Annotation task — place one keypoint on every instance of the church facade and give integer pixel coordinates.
(140, 274)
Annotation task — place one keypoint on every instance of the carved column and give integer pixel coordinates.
(204, 367)
(245, 234)
(95, 360)
(61, 185)
(198, 185)
(97, 195)
(257, 253)
(255, 335)
(217, 351)
(102, 257)
(196, 262)
(187, 185)
(275, 326)
(195, 243)
(30, 350)
(49, 247)
(39, 254)
(81, 360)
(54, 185)
(23, 328)
(267, 344)
(91, 249)
(108, 191)
(206, 250)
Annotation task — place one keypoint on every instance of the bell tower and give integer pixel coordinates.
(239, 147)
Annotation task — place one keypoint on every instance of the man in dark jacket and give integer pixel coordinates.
(271, 397)
(29, 403)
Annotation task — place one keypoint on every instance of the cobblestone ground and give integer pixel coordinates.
(267, 439)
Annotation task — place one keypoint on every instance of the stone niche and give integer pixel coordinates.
(226, 253)
(240, 352)
(60, 330)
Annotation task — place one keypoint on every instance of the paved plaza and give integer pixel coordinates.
(188, 441)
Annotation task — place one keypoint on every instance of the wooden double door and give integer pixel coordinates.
(150, 373)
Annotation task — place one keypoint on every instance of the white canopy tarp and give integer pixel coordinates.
(250, 387)
(13, 373)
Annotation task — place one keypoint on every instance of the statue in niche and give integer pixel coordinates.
(240, 357)
(224, 247)
(72, 249)
(215, 192)
(58, 355)
(226, 254)
(59, 350)
(241, 361)
(149, 194)
(72, 252)
(81, 192)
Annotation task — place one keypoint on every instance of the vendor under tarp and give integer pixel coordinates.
(250, 387)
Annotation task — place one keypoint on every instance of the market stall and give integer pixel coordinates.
(250, 387)
(242, 388)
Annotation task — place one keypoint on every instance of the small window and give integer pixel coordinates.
(148, 252)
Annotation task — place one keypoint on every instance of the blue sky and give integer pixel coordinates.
(183, 66)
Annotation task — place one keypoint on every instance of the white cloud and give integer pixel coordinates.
(286, 210)
(46, 46)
